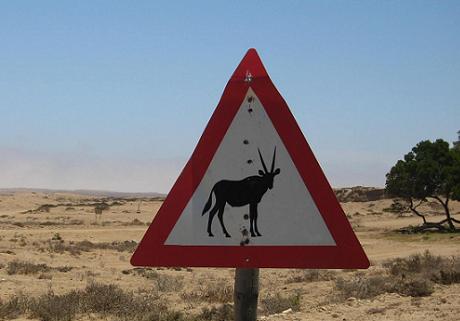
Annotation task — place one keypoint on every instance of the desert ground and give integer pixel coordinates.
(61, 261)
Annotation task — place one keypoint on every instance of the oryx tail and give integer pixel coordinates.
(208, 203)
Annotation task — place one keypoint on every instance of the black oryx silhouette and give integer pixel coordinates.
(240, 193)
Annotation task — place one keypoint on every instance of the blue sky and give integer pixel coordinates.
(115, 95)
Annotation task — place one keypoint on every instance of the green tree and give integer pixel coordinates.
(430, 171)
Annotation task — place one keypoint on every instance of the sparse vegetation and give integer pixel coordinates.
(222, 312)
(23, 267)
(134, 222)
(215, 292)
(437, 269)
(413, 276)
(312, 276)
(366, 287)
(278, 303)
(207, 294)
(164, 282)
(16, 306)
(75, 248)
(397, 206)
(105, 300)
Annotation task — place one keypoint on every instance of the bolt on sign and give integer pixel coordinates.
(252, 194)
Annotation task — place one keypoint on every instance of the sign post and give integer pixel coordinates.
(252, 195)
(246, 294)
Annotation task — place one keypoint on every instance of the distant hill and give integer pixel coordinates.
(360, 194)
(346, 194)
(85, 192)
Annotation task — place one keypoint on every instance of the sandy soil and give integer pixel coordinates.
(30, 235)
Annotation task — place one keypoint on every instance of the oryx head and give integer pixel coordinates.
(268, 175)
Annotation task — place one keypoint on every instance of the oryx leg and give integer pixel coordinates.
(212, 213)
(220, 215)
(252, 215)
(256, 214)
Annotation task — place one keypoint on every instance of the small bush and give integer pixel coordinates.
(14, 307)
(220, 313)
(397, 207)
(87, 246)
(64, 268)
(414, 287)
(435, 268)
(102, 298)
(278, 303)
(219, 292)
(56, 237)
(22, 267)
(448, 277)
(134, 222)
(415, 264)
(164, 282)
(312, 276)
(361, 287)
(106, 300)
(51, 307)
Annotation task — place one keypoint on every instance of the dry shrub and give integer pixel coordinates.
(51, 307)
(218, 292)
(312, 276)
(76, 222)
(435, 268)
(134, 223)
(448, 277)
(63, 269)
(278, 303)
(222, 312)
(164, 282)
(366, 287)
(87, 246)
(397, 207)
(362, 287)
(22, 267)
(412, 276)
(106, 300)
(414, 287)
(376, 310)
(14, 307)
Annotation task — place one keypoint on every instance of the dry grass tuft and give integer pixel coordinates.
(412, 276)
(22, 267)
(105, 300)
(87, 246)
(311, 276)
(278, 303)
(216, 292)
(435, 268)
(14, 307)
(366, 287)
(222, 312)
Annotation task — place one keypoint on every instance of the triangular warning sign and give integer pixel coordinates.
(252, 194)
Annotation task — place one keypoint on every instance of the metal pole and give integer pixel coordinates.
(246, 294)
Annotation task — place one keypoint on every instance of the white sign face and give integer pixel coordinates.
(286, 213)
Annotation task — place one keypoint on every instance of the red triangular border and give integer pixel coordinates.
(347, 253)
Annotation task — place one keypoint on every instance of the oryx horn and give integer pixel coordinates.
(262, 160)
(273, 161)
